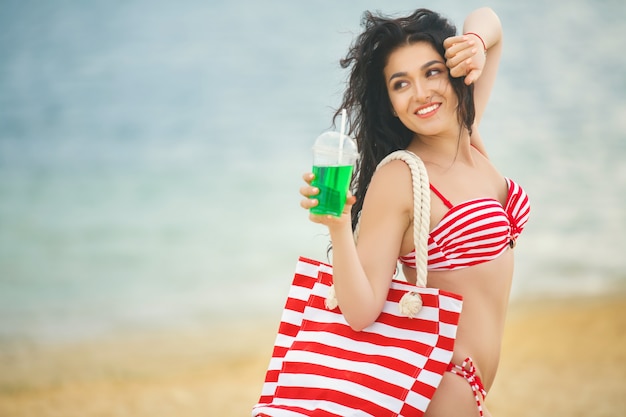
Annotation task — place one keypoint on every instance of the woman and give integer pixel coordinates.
(415, 85)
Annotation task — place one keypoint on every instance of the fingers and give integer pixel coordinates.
(309, 201)
(459, 48)
(463, 59)
(463, 56)
(308, 191)
(308, 177)
(472, 76)
(333, 221)
(457, 44)
(453, 40)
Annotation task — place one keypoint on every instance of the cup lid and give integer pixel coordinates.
(332, 142)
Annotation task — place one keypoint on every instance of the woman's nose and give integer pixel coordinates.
(420, 92)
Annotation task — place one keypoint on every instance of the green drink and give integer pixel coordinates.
(333, 183)
(334, 155)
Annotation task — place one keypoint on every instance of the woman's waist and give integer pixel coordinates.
(479, 336)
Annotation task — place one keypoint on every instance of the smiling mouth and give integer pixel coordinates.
(425, 111)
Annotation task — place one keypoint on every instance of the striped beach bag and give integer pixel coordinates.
(321, 367)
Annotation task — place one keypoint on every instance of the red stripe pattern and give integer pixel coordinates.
(476, 231)
(321, 367)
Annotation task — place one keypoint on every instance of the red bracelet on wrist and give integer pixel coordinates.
(481, 40)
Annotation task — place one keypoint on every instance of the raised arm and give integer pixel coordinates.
(476, 56)
(485, 27)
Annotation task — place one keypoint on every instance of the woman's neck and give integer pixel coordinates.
(442, 150)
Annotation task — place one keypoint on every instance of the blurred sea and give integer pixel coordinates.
(151, 152)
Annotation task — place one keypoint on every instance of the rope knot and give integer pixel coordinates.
(331, 298)
(410, 304)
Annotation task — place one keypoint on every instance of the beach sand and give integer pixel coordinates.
(559, 358)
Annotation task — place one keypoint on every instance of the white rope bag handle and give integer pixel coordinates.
(411, 302)
(421, 209)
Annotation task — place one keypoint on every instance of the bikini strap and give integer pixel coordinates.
(467, 370)
(445, 200)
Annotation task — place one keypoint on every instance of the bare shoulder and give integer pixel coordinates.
(393, 181)
(390, 191)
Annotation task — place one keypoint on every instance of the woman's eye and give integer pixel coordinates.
(433, 71)
(399, 84)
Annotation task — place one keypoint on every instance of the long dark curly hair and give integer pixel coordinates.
(371, 122)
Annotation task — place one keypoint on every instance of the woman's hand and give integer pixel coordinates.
(309, 192)
(465, 56)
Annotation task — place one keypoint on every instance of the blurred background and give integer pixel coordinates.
(151, 153)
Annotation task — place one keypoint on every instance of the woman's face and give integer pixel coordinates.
(420, 91)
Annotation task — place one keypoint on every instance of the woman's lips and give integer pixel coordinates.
(427, 110)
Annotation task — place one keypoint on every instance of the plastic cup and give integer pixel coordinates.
(334, 156)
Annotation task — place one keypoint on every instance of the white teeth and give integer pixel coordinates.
(427, 109)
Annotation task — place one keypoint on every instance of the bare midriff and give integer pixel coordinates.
(485, 289)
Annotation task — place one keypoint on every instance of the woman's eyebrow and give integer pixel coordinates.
(423, 67)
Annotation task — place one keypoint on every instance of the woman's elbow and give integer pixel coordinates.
(358, 327)
(360, 322)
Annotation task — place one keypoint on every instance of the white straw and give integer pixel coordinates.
(342, 132)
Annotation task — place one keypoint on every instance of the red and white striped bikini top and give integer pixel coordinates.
(475, 231)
